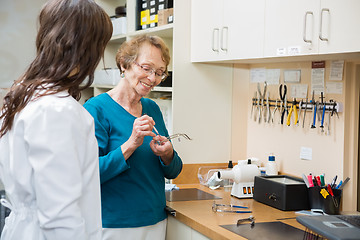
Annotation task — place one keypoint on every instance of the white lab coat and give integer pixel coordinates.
(50, 170)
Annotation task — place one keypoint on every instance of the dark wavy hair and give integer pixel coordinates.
(70, 43)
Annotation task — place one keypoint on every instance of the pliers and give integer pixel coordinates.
(283, 101)
(262, 98)
(275, 109)
(334, 108)
(292, 109)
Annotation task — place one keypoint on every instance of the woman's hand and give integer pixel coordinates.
(142, 127)
(162, 149)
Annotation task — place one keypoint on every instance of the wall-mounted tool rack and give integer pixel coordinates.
(264, 109)
(329, 106)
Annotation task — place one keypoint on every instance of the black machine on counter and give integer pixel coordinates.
(281, 192)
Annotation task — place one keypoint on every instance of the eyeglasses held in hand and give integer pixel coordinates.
(177, 135)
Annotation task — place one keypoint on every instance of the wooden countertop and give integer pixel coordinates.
(199, 215)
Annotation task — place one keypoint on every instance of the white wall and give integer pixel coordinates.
(18, 27)
(330, 153)
(201, 99)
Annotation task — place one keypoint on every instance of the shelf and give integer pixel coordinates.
(165, 31)
(156, 89)
(103, 86)
(118, 38)
(162, 89)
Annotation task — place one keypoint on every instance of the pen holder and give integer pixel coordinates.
(329, 205)
(316, 200)
(332, 204)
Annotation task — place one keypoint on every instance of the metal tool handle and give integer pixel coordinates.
(322, 119)
(303, 125)
(321, 23)
(282, 116)
(314, 120)
(305, 27)
(288, 120)
(213, 40)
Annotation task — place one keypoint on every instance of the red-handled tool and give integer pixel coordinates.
(332, 195)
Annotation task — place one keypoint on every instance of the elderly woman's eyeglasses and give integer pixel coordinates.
(159, 74)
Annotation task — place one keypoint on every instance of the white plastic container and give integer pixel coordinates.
(271, 167)
(109, 77)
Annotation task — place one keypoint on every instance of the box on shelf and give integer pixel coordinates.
(107, 77)
(119, 25)
(145, 17)
(164, 16)
(148, 10)
(167, 82)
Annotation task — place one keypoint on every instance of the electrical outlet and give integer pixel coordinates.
(306, 153)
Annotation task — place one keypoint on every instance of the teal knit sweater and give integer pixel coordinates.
(132, 191)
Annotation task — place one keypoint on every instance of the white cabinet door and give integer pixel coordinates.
(206, 24)
(308, 27)
(243, 29)
(339, 26)
(291, 27)
(226, 29)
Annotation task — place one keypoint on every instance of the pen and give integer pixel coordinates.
(305, 180)
(344, 183)
(315, 181)
(311, 184)
(318, 181)
(339, 185)
(322, 179)
(333, 181)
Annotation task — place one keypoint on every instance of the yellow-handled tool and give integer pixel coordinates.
(292, 109)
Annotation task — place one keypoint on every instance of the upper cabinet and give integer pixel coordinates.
(291, 27)
(254, 29)
(338, 30)
(226, 29)
(311, 27)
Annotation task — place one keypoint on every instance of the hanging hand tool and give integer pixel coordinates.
(292, 109)
(306, 102)
(262, 98)
(283, 101)
(334, 108)
(299, 115)
(258, 108)
(322, 117)
(267, 118)
(275, 109)
(320, 105)
(253, 103)
(314, 111)
(328, 125)
(322, 113)
(333, 104)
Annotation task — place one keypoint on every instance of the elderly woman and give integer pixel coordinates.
(134, 153)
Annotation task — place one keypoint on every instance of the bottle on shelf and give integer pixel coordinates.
(271, 167)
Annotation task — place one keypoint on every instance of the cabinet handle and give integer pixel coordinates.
(222, 38)
(321, 23)
(213, 40)
(305, 27)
